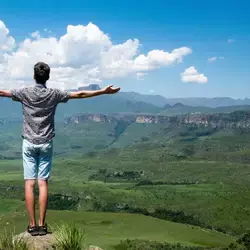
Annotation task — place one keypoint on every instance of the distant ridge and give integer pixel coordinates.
(132, 102)
(178, 105)
(161, 101)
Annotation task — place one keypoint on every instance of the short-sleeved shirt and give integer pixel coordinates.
(39, 106)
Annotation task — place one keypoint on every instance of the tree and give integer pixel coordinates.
(245, 240)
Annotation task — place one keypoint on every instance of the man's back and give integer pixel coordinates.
(39, 105)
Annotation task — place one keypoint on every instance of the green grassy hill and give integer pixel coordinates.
(108, 229)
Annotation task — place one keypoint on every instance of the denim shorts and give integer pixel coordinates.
(37, 160)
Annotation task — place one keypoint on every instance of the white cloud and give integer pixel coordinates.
(47, 30)
(84, 54)
(140, 76)
(214, 58)
(192, 75)
(230, 40)
(36, 35)
(7, 42)
(211, 59)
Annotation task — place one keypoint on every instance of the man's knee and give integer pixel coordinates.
(42, 183)
(30, 183)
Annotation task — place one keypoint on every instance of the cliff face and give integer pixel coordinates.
(90, 117)
(239, 119)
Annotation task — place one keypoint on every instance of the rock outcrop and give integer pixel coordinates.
(46, 242)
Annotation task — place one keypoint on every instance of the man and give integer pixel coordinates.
(39, 105)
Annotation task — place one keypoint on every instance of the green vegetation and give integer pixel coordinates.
(108, 229)
(245, 240)
(153, 245)
(124, 182)
(184, 109)
(69, 236)
(7, 242)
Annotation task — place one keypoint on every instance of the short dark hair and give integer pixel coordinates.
(41, 72)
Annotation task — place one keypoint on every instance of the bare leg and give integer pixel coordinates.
(30, 200)
(43, 200)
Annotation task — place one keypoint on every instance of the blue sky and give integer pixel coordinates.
(203, 26)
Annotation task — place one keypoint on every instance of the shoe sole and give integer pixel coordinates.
(42, 234)
(33, 234)
(42, 230)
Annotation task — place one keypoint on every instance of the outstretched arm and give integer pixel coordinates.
(5, 93)
(87, 93)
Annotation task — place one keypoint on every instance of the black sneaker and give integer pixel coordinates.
(42, 230)
(32, 230)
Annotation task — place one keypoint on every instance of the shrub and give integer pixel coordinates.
(69, 236)
(151, 245)
(62, 202)
(245, 240)
(144, 182)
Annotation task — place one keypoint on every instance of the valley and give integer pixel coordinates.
(192, 170)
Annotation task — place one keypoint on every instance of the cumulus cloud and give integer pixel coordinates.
(83, 55)
(192, 75)
(7, 42)
(36, 34)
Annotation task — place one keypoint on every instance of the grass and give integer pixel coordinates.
(10, 205)
(152, 245)
(221, 202)
(69, 236)
(135, 132)
(7, 242)
(108, 229)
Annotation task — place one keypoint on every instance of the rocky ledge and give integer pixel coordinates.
(238, 119)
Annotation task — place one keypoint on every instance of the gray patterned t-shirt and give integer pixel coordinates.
(39, 105)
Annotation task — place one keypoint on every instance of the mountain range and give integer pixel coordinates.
(132, 102)
(161, 101)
